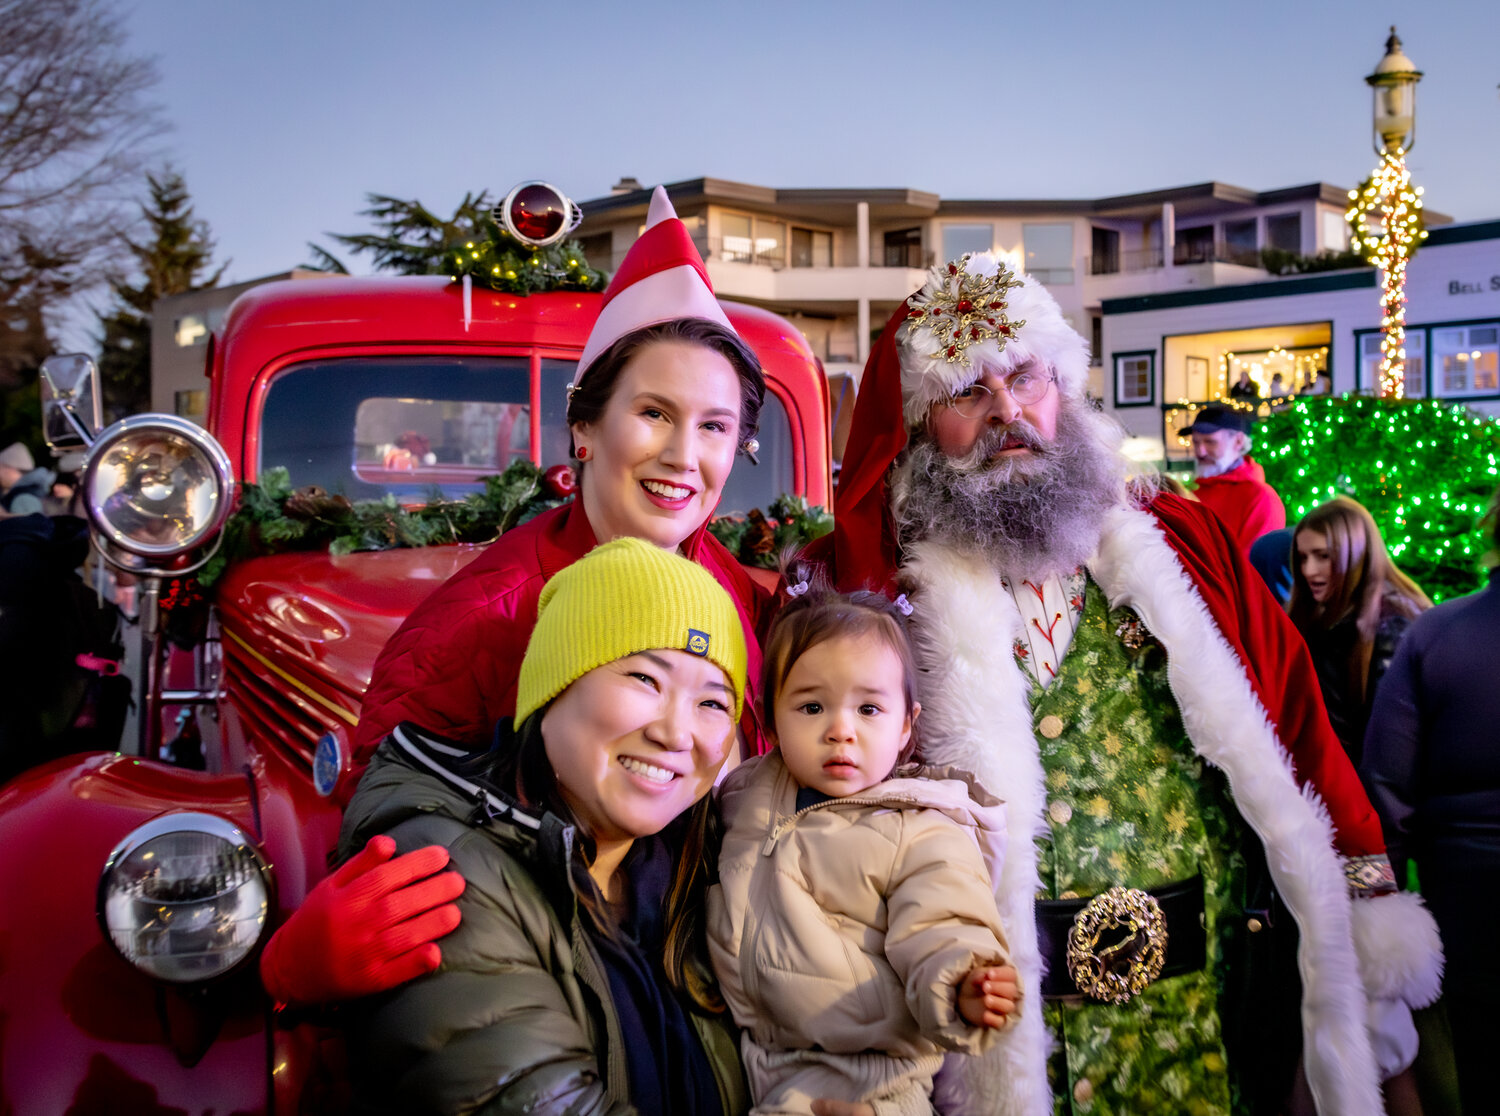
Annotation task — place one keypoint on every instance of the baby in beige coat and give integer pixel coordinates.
(853, 929)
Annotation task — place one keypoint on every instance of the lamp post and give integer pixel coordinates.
(1394, 84)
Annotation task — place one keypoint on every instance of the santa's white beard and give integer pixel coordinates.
(1029, 514)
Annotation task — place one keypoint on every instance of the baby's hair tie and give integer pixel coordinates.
(796, 590)
(903, 605)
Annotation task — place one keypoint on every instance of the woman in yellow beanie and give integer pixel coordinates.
(577, 978)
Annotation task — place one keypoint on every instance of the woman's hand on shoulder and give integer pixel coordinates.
(370, 926)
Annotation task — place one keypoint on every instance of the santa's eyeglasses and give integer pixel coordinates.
(1025, 387)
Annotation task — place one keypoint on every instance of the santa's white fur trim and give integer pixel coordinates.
(927, 379)
(977, 716)
(1400, 951)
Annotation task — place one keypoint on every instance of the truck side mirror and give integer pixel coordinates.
(71, 413)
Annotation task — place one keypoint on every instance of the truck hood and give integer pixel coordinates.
(327, 616)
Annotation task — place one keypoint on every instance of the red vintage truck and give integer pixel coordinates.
(135, 895)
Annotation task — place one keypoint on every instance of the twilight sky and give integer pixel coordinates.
(285, 112)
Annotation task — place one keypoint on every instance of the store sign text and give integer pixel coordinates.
(1458, 287)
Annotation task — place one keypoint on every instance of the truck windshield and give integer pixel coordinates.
(412, 426)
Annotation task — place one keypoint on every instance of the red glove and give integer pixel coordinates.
(370, 926)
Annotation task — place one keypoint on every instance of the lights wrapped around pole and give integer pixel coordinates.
(1389, 190)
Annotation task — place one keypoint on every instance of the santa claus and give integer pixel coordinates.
(1098, 652)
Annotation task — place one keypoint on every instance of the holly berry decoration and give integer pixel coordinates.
(560, 481)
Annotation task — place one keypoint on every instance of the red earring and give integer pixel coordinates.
(582, 454)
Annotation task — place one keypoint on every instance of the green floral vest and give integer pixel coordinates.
(1130, 803)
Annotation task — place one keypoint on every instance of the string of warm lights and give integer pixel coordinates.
(1389, 194)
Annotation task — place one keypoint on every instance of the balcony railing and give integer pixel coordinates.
(905, 255)
(1134, 259)
(1198, 252)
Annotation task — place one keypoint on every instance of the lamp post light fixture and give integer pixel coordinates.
(1394, 84)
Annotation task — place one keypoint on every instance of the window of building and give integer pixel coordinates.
(1415, 379)
(190, 404)
(1096, 340)
(1335, 232)
(1466, 360)
(770, 242)
(812, 248)
(1284, 231)
(1239, 242)
(738, 244)
(958, 239)
(1194, 245)
(1135, 379)
(903, 248)
(747, 239)
(190, 330)
(1049, 252)
(1104, 252)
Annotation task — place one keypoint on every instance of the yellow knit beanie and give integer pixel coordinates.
(621, 598)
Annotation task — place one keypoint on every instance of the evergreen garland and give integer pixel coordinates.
(1423, 468)
(274, 518)
(759, 538)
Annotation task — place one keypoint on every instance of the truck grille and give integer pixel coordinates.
(278, 707)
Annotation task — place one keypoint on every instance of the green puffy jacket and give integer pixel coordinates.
(519, 1017)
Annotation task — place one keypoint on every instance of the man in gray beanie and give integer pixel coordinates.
(22, 484)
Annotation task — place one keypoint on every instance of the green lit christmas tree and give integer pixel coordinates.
(1425, 469)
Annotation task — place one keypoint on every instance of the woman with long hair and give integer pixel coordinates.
(1351, 604)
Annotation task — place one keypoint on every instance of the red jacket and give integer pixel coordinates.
(452, 666)
(1244, 501)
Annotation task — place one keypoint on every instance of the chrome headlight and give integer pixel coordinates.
(157, 487)
(185, 897)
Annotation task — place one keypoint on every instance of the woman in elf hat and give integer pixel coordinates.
(577, 979)
(666, 395)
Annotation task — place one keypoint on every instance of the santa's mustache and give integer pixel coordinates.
(994, 439)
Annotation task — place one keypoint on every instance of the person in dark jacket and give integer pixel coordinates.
(577, 979)
(1351, 605)
(1433, 769)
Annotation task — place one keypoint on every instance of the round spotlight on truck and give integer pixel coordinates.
(157, 489)
(185, 898)
(538, 214)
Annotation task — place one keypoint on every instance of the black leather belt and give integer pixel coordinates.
(1182, 906)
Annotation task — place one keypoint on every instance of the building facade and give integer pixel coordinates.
(837, 262)
(1166, 354)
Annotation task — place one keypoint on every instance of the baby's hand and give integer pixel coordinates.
(988, 996)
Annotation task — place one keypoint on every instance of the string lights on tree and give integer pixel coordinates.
(1425, 469)
(1389, 193)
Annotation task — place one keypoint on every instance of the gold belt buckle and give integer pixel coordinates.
(1114, 973)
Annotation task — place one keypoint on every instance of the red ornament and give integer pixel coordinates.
(560, 481)
(963, 306)
(952, 350)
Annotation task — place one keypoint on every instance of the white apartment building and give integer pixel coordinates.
(837, 262)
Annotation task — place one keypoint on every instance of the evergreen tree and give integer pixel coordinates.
(173, 260)
(1423, 468)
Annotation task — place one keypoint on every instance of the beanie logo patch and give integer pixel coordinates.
(697, 642)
